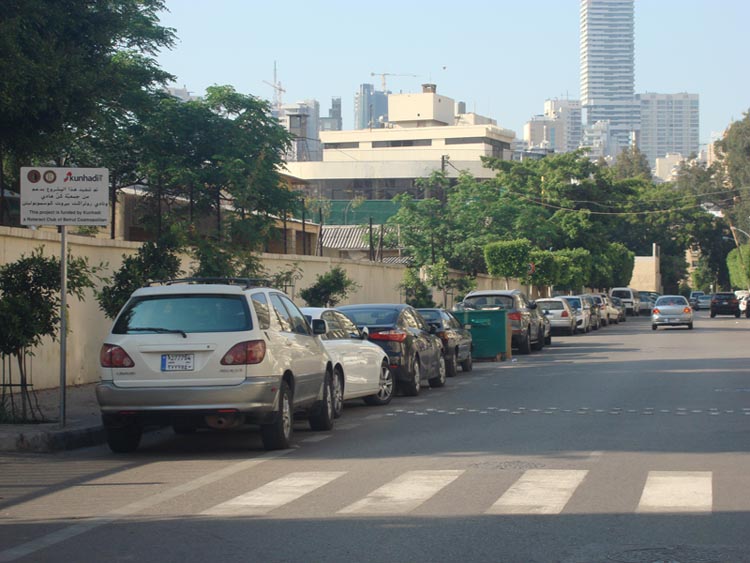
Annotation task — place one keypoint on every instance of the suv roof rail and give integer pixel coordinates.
(247, 282)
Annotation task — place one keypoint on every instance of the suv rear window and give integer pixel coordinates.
(489, 302)
(725, 296)
(622, 294)
(186, 313)
(372, 317)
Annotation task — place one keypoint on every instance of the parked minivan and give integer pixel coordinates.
(629, 297)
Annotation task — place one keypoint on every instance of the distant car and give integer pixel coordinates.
(647, 302)
(694, 295)
(630, 298)
(414, 352)
(725, 303)
(526, 322)
(561, 315)
(360, 367)
(594, 310)
(671, 310)
(613, 313)
(744, 309)
(457, 341)
(582, 312)
(621, 312)
(702, 302)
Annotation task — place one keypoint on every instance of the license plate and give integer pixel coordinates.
(177, 362)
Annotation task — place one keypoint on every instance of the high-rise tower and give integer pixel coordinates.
(608, 68)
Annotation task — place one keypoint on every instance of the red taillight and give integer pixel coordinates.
(564, 314)
(114, 357)
(244, 353)
(687, 310)
(514, 316)
(389, 335)
(656, 311)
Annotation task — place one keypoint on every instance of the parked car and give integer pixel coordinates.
(612, 312)
(630, 298)
(457, 341)
(194, 354)
(594, 309)
(414, 352)
(526, 322)
(725, 303)
(694, 295)
(703, 302)
(648, 299)
(621, 312)
(561, 316)
(671, 310)
(361, 368)
(744, 309)
(582, 312)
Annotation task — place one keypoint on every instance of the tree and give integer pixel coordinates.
(632, 163)
(417, 293)
(739, 276)
(508, 259)
(545, 270)
(153, 262)
(30, 310)
(329, 289)
(63, 62)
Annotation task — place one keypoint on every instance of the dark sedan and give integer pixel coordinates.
(415, 353)
(456, 339)
(725, 304)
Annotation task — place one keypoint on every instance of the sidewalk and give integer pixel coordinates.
(83, 426)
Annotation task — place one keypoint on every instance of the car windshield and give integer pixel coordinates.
(430, 315)
(375, 316)
(488, 302)
(184, 313)
(574, 301)
(621, 293)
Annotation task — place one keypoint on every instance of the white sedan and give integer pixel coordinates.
(361, 368)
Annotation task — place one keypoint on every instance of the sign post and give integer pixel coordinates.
(60, 197)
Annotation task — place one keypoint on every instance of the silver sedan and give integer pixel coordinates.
(671, 310)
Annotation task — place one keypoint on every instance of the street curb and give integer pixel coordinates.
(50, 438)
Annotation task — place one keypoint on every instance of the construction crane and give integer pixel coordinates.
(382, 76)
(277, 90)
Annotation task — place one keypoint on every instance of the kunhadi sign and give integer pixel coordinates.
(64, 196)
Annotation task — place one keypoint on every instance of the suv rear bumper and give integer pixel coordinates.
(255, 398)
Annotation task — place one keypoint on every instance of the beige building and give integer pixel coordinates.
(425, 132)
(667, 166)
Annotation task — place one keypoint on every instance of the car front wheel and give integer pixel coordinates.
(338, 392)
(323, 415)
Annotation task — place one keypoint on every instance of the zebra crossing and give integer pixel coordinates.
(534, 492)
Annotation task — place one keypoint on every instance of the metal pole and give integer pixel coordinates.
(63, 320)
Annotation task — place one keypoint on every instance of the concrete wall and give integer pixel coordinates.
(647, 272)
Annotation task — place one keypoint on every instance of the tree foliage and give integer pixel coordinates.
(508, 259)
(329, 289)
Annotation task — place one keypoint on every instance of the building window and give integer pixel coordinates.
(353, 145)
(404, 143)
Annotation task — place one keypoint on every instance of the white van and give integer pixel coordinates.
(629, 297)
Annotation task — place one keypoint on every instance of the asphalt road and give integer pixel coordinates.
(623, 445)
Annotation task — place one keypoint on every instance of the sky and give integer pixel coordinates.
(503, 58)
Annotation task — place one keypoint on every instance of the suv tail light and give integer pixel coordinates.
(114, 357)
(389, 335)
(564, 314)
(514, 316)
(244, 353)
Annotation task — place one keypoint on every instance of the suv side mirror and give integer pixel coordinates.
(532, 305)
(319, 326)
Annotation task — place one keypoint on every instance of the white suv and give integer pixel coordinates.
(197, 353)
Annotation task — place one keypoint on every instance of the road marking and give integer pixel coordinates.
(539, 491)
(317, 438)
(374, 416)
(274, 494)
(404, 493)
(69, 532)
(347, 426)
(677, 491)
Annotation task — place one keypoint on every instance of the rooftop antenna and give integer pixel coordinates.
(277, 90)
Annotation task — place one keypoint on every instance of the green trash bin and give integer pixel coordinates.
(489, 333)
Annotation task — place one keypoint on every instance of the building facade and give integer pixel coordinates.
(302, 119)
(669, 125)
(334, 121)
(559, 129)
(424, 134)
(607, 54)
